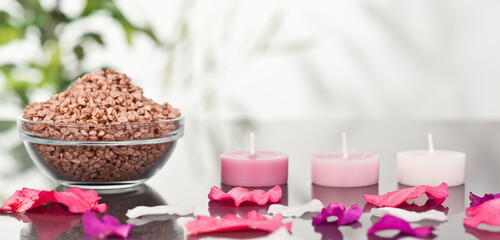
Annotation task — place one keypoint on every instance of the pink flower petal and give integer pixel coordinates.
(76, 199)
(477, 200)
(395, 198)
(106, 227)
(345, 216)
(253, 221)
(485, 213)
(23, 200)
(240, 195)
(389, 222)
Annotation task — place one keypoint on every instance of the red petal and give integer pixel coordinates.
(254, 221)
(240, 195)
(22, 200)
(76, 199)
(485, 213)
(393, 199)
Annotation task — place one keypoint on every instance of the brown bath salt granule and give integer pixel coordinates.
(101, 106)
(100, 98)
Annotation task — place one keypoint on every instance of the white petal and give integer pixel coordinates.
(410, 216)
(158, 210)
(296, 211)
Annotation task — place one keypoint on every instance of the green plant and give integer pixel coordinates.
(48, 25)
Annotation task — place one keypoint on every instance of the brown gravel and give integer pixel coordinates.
(101, 106)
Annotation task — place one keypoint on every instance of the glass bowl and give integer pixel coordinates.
(106, 156)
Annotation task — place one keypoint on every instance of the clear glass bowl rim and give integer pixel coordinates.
(172, 136)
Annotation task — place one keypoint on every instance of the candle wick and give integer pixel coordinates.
(431, 143)
(252, 144)
(344, 145)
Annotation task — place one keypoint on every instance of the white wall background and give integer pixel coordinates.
(412, 60)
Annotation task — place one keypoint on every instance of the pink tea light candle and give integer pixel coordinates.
(254, 168)
(431, 167)
(344, 169)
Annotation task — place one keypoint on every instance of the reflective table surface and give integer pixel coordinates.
(193, 169)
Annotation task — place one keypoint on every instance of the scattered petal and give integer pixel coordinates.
(345, 216)
(76, 199)
(240, 195)
(477, 200)
(159, 210)
(225, 207)
(253, 221)
(395, 198)
(389, 222)
(485, 213)
(314, 205)
(106, 227)
(410, 216)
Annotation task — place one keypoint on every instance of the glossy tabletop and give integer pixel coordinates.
(194, 168)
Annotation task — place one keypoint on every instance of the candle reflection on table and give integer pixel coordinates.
(344, 195)
(454, 204)
(224, 207)
(118, 204)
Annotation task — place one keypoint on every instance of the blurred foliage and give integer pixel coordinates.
(48, 25)
(6, 125)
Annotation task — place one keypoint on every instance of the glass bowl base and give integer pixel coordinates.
(105, 187)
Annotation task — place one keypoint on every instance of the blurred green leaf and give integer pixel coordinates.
(96, 37)
(4, 17)
(148, 30)
(79, 53)
(6, 125)
(92, 6)
(9, 33)
(127, 26)
(32, 5)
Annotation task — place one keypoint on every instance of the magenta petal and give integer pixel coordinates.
(395, 198)
(477, 200)
(106, 227)
(240, 195)
(253, 221)
(345, 216)
(389, 222)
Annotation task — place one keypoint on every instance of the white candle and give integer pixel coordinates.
(431, 167)
(344, 169)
